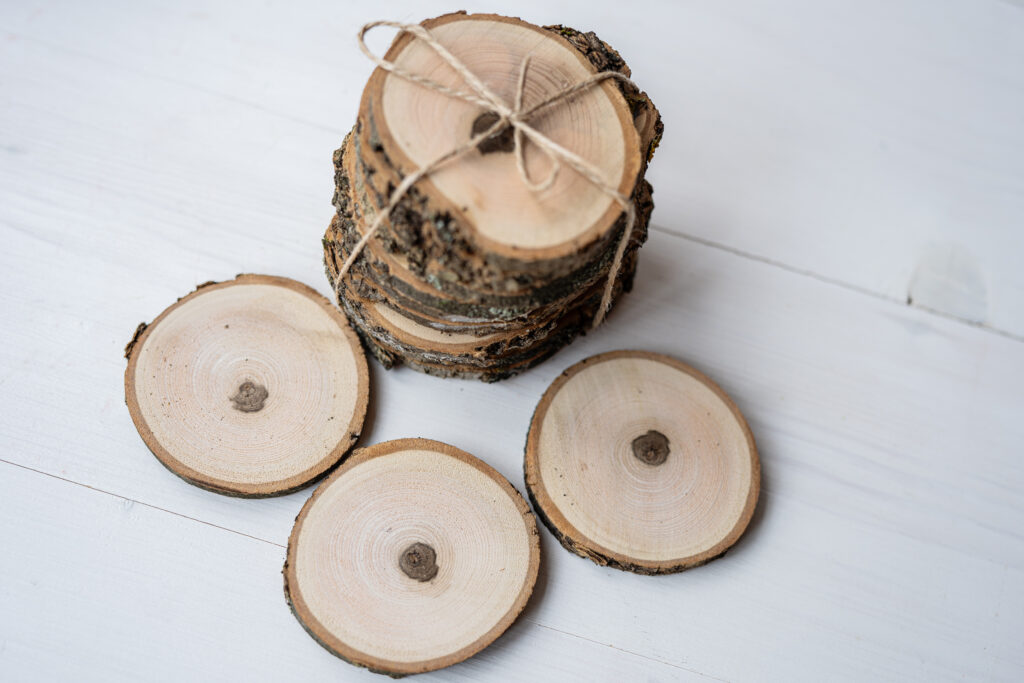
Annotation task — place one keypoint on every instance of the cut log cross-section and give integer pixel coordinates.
(413, 556)
(638, 461)
(416, 124)
(252, 387)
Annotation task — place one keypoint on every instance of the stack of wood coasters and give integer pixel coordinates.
(475, 274)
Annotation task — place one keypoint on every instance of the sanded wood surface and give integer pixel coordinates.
(814, 154)
(412, 557)
(252, 387)
(509, 217)
(638, 461)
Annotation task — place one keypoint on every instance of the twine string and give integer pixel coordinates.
(514, 116)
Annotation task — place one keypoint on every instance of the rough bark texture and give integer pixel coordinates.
(491, 361)
(434, 298)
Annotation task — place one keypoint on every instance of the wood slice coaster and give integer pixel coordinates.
(638, 461)
(413, 556)
(414, 124)
(434, 247)
(252, 387)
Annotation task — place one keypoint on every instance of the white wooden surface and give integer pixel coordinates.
(823, 162)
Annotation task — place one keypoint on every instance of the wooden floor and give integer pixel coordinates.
(837, 240)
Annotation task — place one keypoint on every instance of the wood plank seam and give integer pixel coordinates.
(832, 281)
(135, 501)
(628, 652)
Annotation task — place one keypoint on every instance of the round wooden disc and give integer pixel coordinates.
(417, 124)
(413, 556)
(252, 387)
(638, 461)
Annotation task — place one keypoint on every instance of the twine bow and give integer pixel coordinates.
(516, 117)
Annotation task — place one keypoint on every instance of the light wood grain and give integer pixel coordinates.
(506, 216)
(146, 148)
(640, 462)
(412, 557)
(252, 387)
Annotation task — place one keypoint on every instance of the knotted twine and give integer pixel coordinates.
(516, 117)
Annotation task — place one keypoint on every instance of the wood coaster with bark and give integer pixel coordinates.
(638, 461)
(432, 234)
(252, 387)
(413, 556)
(483, 191)
(474, 273)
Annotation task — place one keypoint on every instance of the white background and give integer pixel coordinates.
(837, 240)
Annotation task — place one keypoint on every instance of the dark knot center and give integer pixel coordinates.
(651, 448)
(250, 397)
(419, 561)
(500, 141)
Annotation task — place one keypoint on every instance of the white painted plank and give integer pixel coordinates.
(883, 474)
(872, 144)
(101, 589)
(875, 143)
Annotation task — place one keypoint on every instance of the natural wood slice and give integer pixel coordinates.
(413, 556)
(364, 288)
(646, 118)
(428, 235)
(638, 461)
(252, 387)
(414, 124)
